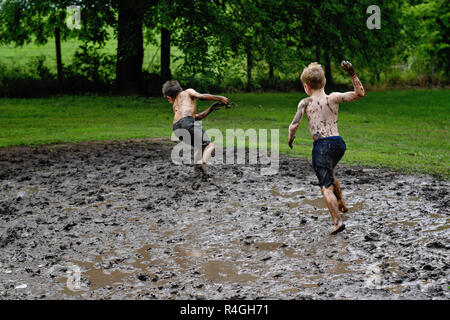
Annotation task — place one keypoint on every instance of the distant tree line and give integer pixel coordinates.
(213, 34)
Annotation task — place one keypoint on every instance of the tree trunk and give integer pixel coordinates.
(249, 68)
(271, 71)
(431, 66)
(328, 74)
(130, 48)
(165, 54)
(317, 54)
(58, 57)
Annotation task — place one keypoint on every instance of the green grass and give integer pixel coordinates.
(406, 130)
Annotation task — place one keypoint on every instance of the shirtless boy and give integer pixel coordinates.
(328, 148)
(186, 117)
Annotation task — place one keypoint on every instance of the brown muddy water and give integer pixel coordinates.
(118, 220)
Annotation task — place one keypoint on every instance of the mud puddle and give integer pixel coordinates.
(118, 220)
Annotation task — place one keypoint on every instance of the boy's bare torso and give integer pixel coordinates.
(184, 105)
(322, 115)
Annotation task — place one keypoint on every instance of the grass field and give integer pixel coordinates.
(405, 130)
(20, 56)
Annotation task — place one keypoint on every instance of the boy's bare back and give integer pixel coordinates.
(321, 109)
(184, 105)
(321, 114)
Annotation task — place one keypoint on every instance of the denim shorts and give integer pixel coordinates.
(189, 128)
(325, 156)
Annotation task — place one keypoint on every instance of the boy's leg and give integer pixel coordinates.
(338, 194)
(206, 155)
(208, 152)
(203, 149)
(198, 160)
(332, 204)
(324, 158)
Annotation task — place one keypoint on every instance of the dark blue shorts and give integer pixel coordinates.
(192, 130)
(325, 156)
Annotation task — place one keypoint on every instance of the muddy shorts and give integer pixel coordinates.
(325, 155)
(188, 127)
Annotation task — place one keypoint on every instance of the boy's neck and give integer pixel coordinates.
(317, 92)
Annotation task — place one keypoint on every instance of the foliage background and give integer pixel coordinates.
(225, 46)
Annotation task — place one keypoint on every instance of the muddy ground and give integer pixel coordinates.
(118, 220)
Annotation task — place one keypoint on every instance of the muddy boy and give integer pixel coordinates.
(328, 147)
(185, 121)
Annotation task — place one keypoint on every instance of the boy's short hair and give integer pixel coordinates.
(171, 88)
(313, 76)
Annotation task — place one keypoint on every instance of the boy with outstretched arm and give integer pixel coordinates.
(329, 147)
(185, 120)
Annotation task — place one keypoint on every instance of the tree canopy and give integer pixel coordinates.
(270, 36)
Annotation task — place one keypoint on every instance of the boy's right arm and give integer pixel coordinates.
(297, 119)
(206, 96)
(358, 93)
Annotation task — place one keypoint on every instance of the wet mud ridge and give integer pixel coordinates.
(119, 220)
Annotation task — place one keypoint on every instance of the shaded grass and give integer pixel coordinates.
(405, 130)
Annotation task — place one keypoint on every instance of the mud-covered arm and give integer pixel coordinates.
(207, 97)
(214, 107)
(202, 115)
(297, 119)
(358, 89)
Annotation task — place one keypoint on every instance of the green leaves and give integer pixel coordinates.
(231, 39)
(426, 27)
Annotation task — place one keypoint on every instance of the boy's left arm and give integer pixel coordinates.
(356, 94)
(297, 119)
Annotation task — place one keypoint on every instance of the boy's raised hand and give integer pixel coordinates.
(347, 66)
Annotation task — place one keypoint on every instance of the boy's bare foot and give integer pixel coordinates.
(338, 228)
(201, 170)
(198, 169)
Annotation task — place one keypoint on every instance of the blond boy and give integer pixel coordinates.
(329, 147)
